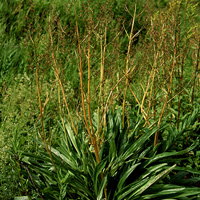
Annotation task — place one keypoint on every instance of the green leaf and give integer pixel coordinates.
(163, 191)
(170, 154)
(138, 144)
(79, 185)
(193, 171)
(152, 180)
(101, 188)
(72, 137)
(64, 158)
(124, 192)
(98, 169)
(22, 198)
(170, 191)
(152, 169)
(112, 149)
(126, 175)
(189, 191)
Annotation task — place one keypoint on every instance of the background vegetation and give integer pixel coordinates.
(99, 99)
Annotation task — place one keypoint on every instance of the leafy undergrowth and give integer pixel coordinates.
(130, 167)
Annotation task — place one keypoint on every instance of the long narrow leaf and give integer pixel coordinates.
(126, 175)
(101, 188)
(72, 137)
(98, 169)
(175, 153)
(124, 192)
(152, 181)
(65, 159)
(139, 143)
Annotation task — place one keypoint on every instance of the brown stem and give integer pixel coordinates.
(110, 95)
(43, 136)
(127, 66)
(93, 137)
(166, 99)
(88, 100)
(56, 72)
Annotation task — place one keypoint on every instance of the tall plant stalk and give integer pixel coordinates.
(56, 72)
(175, 36)
(101, 94)
(168, 92)
(43, 135)
(131, 37)
(88, 98)
(92, 135)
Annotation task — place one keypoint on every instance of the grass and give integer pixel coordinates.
(105, 104)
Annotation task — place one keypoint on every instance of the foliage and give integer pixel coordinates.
(132, 169)
(99, 99)
(20, 124)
